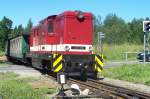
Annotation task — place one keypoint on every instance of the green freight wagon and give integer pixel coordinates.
(18, 48)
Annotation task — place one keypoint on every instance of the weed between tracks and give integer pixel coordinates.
(13, 88)
(137, 73)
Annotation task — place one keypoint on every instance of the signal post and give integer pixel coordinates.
(146, 30)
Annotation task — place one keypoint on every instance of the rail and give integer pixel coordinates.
(106, 90)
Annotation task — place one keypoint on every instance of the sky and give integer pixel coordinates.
(20, 11)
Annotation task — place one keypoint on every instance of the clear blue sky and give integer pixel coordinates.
(19, 11)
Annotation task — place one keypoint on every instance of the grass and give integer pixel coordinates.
(2, 60)
(116, 52)
(13, 88)
(2, 53)
(137, 73)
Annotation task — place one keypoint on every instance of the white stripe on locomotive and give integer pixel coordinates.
(60, 47)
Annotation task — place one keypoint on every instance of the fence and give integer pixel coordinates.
(126, 54)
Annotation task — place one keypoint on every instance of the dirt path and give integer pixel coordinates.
(129, 85)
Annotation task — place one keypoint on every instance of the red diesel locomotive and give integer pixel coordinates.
(63, 43)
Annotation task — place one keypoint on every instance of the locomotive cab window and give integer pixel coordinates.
(43, 27)
(50, 27)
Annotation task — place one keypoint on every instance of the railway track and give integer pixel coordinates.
(109, 91)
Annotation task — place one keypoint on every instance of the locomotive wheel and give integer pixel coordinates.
(46, 66)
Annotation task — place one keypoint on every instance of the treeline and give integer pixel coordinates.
(7, 31)
(117, 31)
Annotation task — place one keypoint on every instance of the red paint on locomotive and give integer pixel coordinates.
(67, 33)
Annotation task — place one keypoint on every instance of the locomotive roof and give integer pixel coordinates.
(73, 13)
(70, 13)
(18, 36)
(52, 16)
(34, 27)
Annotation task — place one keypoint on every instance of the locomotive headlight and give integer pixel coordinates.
(90, 48)
(67, 48)
(80, 15)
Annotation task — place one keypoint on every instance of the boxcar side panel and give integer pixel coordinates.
(16, 47)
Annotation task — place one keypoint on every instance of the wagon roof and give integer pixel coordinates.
(23, 34)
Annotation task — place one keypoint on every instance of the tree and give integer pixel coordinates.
(20, 29)
(28, 27)
(14, 32)
(97, 27)
(5, 31)
(136, 30)
(116, 30)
